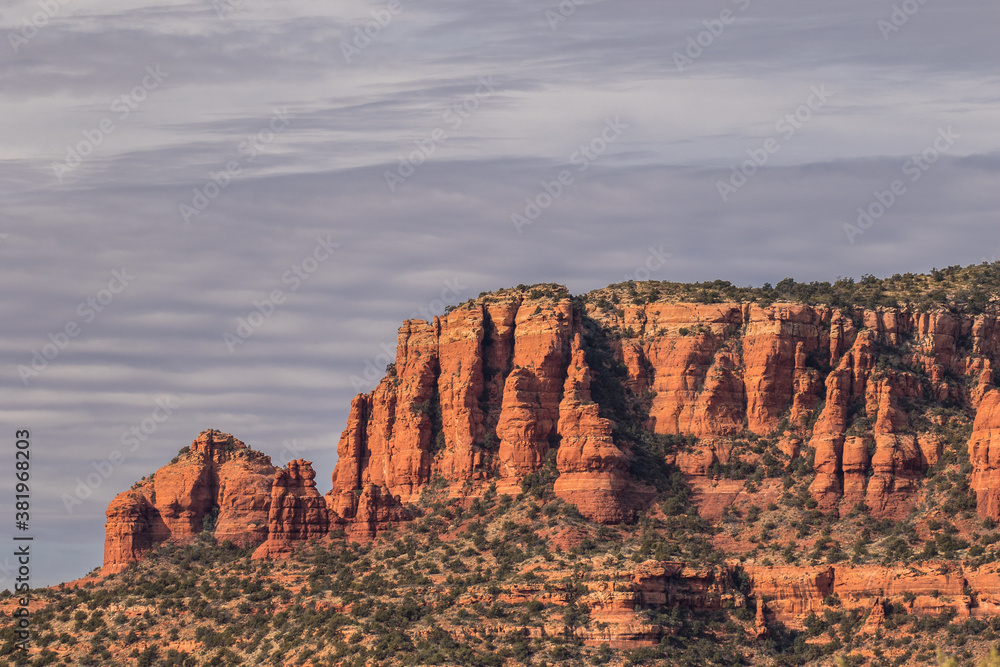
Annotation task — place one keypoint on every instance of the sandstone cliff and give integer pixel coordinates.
(529, 384)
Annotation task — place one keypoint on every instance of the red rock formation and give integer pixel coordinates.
(665, 582)
(592, 470)
(776, 346)
(760, 629)
(399, 441)
(298, 512)
(460, 387)
(984, 454)
(128, 534)
(932, 587)
(844, 386)
(376, 511)
(362, 508)
(500, 367)
(898, 464)
(876, 617)
(531, 397)
(219, 484)
(855, 466)
(351, 454)
(486, 392)
(792, 591)
(696, 389)
(427, 417)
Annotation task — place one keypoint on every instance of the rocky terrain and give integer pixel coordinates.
(800, 473)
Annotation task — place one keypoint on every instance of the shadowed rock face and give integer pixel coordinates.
(503, 388)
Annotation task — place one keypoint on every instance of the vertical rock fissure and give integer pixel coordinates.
(364, 454)
(488, 398)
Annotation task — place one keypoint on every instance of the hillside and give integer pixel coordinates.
(702, 474)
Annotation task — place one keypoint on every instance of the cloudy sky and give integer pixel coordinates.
(169, 168)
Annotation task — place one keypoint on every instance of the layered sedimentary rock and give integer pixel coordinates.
(529, 412)
(460, 387)
(504, 376)
(844, 387)
(298, 512)
(926, 588)
(617, 597)
(856, 463)
(714, 370)
(472, 395)
(504, 387)
(128, 530)
(898, 464)
(593, 471)
(219, 485)
(984, 454)
(865, 398)
(792, 591)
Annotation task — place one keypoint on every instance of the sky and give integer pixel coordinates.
(216, 214)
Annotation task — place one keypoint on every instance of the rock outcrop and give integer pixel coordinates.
(472, 395)
(926, 588)
(298, 512)
(593, 471)
(504, 391)
(218, 485)
(529, 412)
(984, 455)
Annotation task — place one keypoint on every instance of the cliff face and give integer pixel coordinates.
(593, 471)
(984, 454)
(484, 395)
(926, 588)
(717, 370)
(527, 385)
(487, 391)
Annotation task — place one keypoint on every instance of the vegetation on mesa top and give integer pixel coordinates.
(971, 289)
